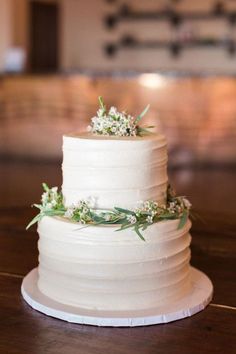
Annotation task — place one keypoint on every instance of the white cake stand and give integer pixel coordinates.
(197, 299)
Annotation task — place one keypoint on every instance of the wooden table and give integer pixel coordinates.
(25, 331)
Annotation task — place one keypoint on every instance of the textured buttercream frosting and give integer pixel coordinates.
(116, 171)
(97, 268)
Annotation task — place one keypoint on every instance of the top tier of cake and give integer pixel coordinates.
(116, 171)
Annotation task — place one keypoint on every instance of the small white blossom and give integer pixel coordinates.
(94, 120)
(48, 206)
(113, 111)
(107, 217)
(113, 123)
(53, 203)
(131, 218)
(153, 213)
(149, 219)
(44, 197)
(186, 203)
(100, 112)
(70, 212)
(80, 204)
(114, 129)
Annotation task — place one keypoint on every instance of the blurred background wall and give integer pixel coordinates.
(58, 56)
(98, 34)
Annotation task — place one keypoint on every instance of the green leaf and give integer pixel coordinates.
(39, 206)
(125, 211)
(119, 221)
(183, 220)
(37, 218)
(98, 218)
(141, 131)
(101, 103)
(45, 187)
(54, 212)
(123, 221)
(166, 216)
(102, 222)
(140, 116)
(136, 229)
(125, 226)
(145, 225)
(145, 129)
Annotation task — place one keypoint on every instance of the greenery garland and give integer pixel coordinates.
(139, 219)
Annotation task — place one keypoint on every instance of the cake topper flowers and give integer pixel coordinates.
(111, 122)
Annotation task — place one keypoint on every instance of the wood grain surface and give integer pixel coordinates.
(25, 331)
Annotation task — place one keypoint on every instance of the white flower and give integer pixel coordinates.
(107, 217)
(100, 112)
(44, 197)
(48, 206)
(113, 123)
(113, 111)
(54, 189)
(131, 218)
(149, 219)
(186, 203)
(94, 120)
(146, 204)
(54, 203)
(70, 212)
(123, 130)
(85, 210)
(80, 204)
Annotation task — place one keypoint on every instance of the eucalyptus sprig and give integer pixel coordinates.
(146, 214)
(51, 204)
(112, 122)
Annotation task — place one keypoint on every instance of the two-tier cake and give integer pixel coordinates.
(114, 243)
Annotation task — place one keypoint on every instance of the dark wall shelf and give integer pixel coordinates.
(125, 13)
(175, 48)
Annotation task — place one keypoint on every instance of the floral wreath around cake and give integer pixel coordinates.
(84, 212)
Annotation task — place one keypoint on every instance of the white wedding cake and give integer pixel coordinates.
(115, 238)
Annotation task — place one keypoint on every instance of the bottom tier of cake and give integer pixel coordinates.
(95, 267)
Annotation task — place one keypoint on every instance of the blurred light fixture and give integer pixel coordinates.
(152, 80)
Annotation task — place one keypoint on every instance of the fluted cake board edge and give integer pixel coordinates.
(197, 299)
